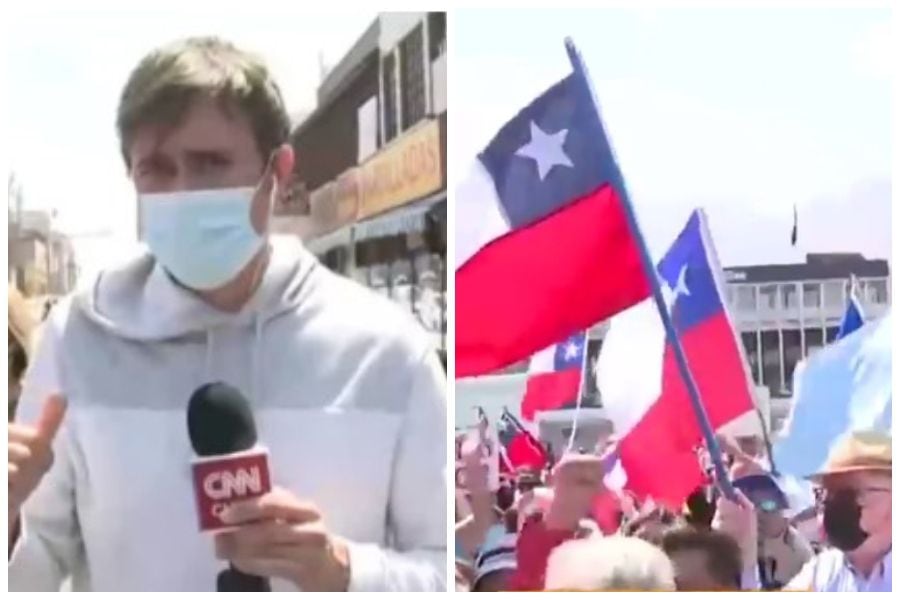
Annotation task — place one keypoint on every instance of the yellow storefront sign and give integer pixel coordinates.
(406, 170)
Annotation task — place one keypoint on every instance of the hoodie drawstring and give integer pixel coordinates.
(256, 379)
(209, 355)
(256, 375)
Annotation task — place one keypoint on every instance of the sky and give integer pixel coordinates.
(65, 72)
(741, 111)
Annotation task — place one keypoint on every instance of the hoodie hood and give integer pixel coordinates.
(139, 301)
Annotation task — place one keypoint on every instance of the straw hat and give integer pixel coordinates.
(859, 451)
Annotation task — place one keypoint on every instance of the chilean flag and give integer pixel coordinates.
(641, 386)
(520, 447)
(543, 243)
(554, 377)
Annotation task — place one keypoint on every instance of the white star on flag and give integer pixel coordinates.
(670, 294)
(546, 149)
(571, 350)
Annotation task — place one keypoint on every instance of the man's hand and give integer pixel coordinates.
(31, 455)
(279, 535)
(743, 464)
(476, 472)
(576, 479)
(738, 519)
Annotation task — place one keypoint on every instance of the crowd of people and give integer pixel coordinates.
(540, 531)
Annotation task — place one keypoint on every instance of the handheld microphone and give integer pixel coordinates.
(229, 466)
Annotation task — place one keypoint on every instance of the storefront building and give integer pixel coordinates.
(376, 168)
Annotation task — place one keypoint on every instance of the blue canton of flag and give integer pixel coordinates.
(688, 284)
(570, 353)
(853, 317)
(553, 152)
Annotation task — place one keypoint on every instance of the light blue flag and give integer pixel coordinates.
(844, 387)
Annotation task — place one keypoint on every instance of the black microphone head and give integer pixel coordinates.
(219, 420)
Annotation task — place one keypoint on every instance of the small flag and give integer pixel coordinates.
(854, 318)
(554, 377)
(522, 449)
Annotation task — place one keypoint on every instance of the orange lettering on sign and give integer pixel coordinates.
(408, 169)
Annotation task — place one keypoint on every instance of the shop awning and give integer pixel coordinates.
(322, 244)
(407, 219)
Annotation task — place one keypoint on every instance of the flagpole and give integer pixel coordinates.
(653, 278)
(584, 354)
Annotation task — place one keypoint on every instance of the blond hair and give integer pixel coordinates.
(167, 81)
(613, 563)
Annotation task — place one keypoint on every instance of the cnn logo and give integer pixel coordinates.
(219, 481)
(223, 485)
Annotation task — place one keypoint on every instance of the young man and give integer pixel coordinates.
(347, 395)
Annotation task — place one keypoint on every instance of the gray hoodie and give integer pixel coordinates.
(347, 395)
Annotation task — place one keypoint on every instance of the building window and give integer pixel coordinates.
(590, 394)
(813, 338)
(876, 291)
(437, 34)
(789, 296)
(831, 334)
(746, 298)
(412, 78)
(812, 295)
(833, 293)
(750, 348)
(771, 357)
(430, 293)
(389, 83)
(793, 352)
(768, 297)
(337, 259)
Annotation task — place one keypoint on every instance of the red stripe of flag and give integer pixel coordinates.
(536, 285)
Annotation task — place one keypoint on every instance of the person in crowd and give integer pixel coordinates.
(505, 495)
(807, 524)
(699, 509)
(482, 515)
(576, 480)
(854, 495)
(347, 391)
(782, 551)
(19, 332)
(651, 525)
(737, 517)
(704, 559)
(495, 563)
(527, 478)
(614, 563)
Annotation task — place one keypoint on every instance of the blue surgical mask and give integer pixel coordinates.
(203, 238)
